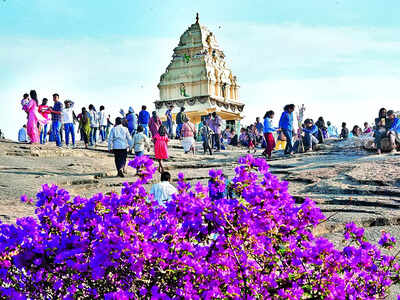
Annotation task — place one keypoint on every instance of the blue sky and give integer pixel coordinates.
(341, 58)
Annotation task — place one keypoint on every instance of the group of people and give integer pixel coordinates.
(45, 121)
(310, 134)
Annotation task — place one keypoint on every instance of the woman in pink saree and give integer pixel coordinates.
(33, 118)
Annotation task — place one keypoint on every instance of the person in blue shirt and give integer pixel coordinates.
(310, 132)
(286, 124)
(22, 135)
(268, 131)
(132, 121)
(144, 118)
(394, 130)
(168, 114)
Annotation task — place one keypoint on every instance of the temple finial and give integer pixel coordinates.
(197, 18)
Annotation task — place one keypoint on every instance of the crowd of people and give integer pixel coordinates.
(138, 133)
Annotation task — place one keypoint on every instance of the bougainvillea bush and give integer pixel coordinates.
(257, 245)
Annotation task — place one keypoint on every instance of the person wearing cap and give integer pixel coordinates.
(394, 130)
(168, 114)
(131, 119)
(68, 117)
(119, 141)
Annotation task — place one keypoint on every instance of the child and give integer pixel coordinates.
(251, 138)
(268, 133)
(161, 147)
(345, 132)
(24, 102)
(140, 141)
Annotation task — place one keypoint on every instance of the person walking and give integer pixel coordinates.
(286, 124)
(140, 142)
(180, 119)
(169, 123)
(44, 110)
(216, 124)
(84, 126)
(144, 119)
(131, 121)
(161, 147)
(206, 136)
(119, 142)
(188, 133)
(102, 123)
(268, 130)
(94, 123)
(154, 124)
(68, 117)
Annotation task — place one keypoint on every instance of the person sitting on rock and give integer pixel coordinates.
(310, 134)
(344, 134)
(394, 130)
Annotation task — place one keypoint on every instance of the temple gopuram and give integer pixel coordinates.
(198, 79)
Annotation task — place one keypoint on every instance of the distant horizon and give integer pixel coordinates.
(340, 59)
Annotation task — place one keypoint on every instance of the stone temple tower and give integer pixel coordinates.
(199, 79)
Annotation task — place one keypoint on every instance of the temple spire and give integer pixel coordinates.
(197, 18)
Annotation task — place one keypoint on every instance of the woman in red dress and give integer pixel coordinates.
(161, 147)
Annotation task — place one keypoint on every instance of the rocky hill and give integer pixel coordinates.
(348, 184)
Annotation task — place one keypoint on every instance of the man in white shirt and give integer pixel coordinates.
(119, 141)
(164, 190)
(102, 123)
(67, 117)
(140, 141)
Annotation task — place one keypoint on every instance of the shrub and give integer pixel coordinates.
(256, 245)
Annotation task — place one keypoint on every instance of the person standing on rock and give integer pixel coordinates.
(188, 134)
(140, 142)
(44, 110)
(394, 130)
(161, 147)
(286, 124)
(102, 123)
(94, 123)
(119, 142)
(84, 126)
(216, 124)
(380, 129)
(33, 118)
(68, 117)
(154, 124)
(144, 119)
(180, 119)
(269, 130)
(56, 111)
(169, 123)
(131, 121)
